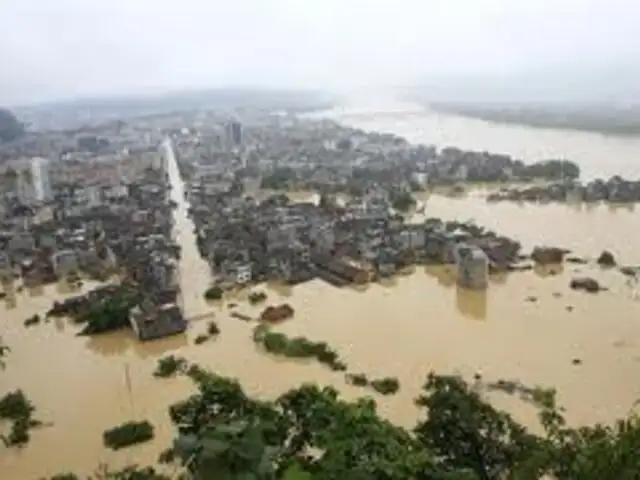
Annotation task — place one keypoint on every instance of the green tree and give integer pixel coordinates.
(466, 432)
(228, 450)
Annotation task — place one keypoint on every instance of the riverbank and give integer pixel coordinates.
(592, 119)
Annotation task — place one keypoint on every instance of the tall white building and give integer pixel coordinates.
(41, 179)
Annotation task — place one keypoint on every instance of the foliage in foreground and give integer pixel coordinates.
(127, 473)
(309, 432)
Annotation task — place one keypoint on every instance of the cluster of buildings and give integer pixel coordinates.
(106, 215)
(95, 201)
(289, 153)
(246, 238)
(615, 190)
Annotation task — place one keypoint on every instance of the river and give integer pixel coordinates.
(597, 154)
(403, 328)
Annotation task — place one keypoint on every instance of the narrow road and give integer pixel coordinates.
(194, 272)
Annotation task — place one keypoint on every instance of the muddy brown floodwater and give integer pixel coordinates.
(404, 328)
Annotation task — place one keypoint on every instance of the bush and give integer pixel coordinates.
(169, 365)
(128, 434)
(200, 339)
(15, 406)
(33, 320)
(386, 386)
(298, 347)
(212, 328)
(214, 293)
(403, 201)
(257, 297)
(166, 456)
(357, 379)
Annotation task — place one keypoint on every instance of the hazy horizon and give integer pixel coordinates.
(72, 49)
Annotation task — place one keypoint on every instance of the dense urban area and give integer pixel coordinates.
(97, 208)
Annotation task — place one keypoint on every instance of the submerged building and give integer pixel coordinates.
(472, 265)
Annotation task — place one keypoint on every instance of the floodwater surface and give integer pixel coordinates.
(528, 326)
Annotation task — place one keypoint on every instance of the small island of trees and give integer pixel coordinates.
(299, 347)
(128, 434)
(402, 201)
(169, 366)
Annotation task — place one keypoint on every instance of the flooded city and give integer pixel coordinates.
(527, 326)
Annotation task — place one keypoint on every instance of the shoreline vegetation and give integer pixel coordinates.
(223, 433)
(593, 119)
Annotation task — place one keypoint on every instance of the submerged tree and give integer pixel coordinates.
(4, 351)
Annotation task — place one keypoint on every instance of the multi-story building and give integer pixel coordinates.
(234, 133)
(64, 262)
(24, 187)
(473, 267)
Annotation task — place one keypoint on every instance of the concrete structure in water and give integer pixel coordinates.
(473, 267)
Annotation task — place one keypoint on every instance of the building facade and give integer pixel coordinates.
(41, 179)
(473, 267)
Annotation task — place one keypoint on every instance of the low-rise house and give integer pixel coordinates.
(280, 236)
(47, 240)
(439, 248)
(91, 196)
(118, 191)
(150, 321)
(385, 263)
(64, 262)
(244, 273)
(21, 241)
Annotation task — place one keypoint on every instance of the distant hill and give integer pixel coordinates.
(604, 99)
(616, 84)
(68, 114)
(601, 118)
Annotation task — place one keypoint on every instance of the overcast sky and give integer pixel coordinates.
(68, 48)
